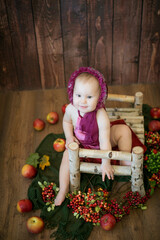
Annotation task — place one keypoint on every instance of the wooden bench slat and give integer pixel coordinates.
(121, 98)
(123, 110)
(94, 168)
(130, 119)
(123, 114)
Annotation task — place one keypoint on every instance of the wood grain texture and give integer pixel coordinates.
(149, 68)
(126, 37)
(43, 42)
(74, 27)
(20, 20)
(100, 19)
(49, 43)
(18, 140)
(8, 74)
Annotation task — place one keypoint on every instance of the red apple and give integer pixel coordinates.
(155, 112)
(52, 117)
(28, 171)
(107, 221)
(59, 145)
(38, 124)
(35, 224)
(154, 125)
(24, 205)
(64, 108)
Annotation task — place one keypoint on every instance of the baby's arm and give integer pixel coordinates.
(104, 140)
(68, 126)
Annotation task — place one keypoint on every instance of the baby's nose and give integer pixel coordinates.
(84, 100)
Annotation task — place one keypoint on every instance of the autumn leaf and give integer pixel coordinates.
(33, 159)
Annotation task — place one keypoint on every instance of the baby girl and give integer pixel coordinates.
(86, 122)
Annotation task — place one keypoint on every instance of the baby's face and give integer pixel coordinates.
(86, 94)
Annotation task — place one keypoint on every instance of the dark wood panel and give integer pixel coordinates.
(8, 75)
(149, 68)
(49, 42)
(43, 42)
(24, 44)
(100, 16)
(126, 37)
(74, 27)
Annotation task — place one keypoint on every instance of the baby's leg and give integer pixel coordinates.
(63, 179)
(121, 136)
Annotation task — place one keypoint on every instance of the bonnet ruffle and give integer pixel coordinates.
(100, 78)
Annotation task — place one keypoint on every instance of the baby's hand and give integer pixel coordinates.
(107, 169)
(70, 140)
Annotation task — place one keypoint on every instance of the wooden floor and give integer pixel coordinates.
(18, 139)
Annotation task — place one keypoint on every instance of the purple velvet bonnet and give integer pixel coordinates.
(99, 77)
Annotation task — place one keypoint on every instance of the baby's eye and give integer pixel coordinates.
(78, 95)
(89, 97)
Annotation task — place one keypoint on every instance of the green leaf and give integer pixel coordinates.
(97, 209)
(144, 207)
(53, 206)
(99, 194)
(152, 191)
(153, 183)
(41, 185)
(45, 183)
(57, 189)
(49, 209)
(33, 159)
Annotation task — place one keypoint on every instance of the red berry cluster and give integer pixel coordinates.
(118, 210)
(134, 199)
(152, 140)
(92, 205)
(89, 205)
(155, 178)
(48, 194)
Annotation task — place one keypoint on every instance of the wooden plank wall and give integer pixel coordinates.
(43, 41)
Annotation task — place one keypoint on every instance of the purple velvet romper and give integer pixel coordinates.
(87, 132)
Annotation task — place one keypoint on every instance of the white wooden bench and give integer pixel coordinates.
(132, 116)
(134, 119)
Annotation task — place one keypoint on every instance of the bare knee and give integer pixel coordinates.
(126, 132)
(121, 137)
(125, 140)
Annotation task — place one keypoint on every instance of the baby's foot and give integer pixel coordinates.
(60, 198)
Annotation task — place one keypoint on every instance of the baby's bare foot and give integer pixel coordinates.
(60, 198)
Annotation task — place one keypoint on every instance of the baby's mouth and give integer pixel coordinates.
(83, 107)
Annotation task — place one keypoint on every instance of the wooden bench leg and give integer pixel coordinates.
(138, 100)
(137, 171)
(74, 166)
